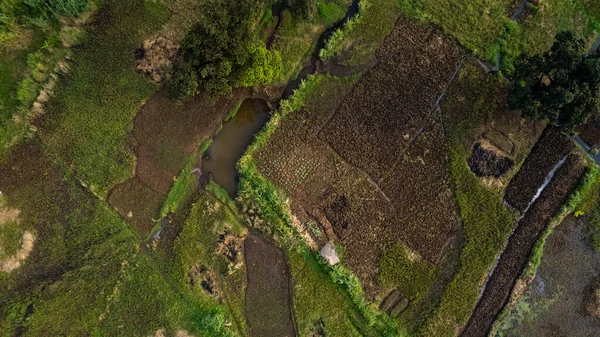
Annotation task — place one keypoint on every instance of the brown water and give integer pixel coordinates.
(231, 142)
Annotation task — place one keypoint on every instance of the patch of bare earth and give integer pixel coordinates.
(10, 263)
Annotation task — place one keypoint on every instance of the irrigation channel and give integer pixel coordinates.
(268, 304)
(550, 195)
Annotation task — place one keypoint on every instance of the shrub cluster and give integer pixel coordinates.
(561, 85)
(222, 52)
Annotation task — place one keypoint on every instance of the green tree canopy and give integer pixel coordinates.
(305, 8)
(223, 52)
(561, 85)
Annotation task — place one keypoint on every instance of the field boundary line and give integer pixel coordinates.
(427, 121)
(359, 170)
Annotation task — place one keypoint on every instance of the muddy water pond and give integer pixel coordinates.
(231, 142)
(268, 300)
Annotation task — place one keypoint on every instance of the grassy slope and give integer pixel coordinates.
(297, 36)
(86, 275)
(197, 244)
(592, 7)
(14, 71)
(552, 17)
(486, 221)
(92, 113)
(475, 23)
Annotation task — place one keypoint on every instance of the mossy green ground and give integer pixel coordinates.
(356, 42)
(486, 220)
(88, 122)
(553, 16)
(87, 274)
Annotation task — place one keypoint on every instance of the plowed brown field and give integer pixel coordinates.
(550, 148)
(370, 157)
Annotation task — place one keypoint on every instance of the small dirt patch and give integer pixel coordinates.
(8, 214)
(486, 162)
(155, 57)
(13, 262)
(268, 303)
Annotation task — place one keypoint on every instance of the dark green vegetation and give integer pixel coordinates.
(561, 85)
(222, 51)
(86, 274)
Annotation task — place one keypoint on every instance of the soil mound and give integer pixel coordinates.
(155, 57)
(486, 162)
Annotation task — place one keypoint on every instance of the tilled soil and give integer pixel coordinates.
(389, 106)
(511, 261)
(393, 186)
(549, 150)
(268, 303)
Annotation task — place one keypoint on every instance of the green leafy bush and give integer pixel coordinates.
(223, 52)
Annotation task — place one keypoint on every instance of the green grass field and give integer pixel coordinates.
(474, 23)
(554, 16)
(88, 123)
(486, 221)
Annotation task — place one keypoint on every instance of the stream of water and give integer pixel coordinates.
(229, 144)
(312, 66)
